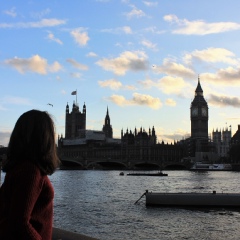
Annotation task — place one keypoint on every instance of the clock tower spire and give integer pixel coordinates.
(199, 119)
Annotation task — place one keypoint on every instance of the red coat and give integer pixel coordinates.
(26, 204)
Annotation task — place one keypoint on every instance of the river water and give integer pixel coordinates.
(100, 204)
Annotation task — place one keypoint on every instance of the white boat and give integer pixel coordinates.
(214, 200)
(200, 166)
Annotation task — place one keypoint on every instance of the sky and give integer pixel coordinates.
(140, 59)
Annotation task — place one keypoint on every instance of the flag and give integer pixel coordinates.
(74, 93)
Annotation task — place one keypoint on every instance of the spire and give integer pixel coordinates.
(199, 90)
(84, 108)
(107, 118)
(67, 108)
(107, 128)
(199, 99)
(153, 131)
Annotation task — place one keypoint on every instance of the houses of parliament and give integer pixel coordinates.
(139, 148)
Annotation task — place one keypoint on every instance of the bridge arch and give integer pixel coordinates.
(107, 165)
(71, 163)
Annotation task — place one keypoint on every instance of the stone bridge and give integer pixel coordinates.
(117, 164)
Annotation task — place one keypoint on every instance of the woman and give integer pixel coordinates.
(26, 196)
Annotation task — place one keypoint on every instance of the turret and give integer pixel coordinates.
(84, 108)
(74, 122)
(153, 132)
(107, 118)
(67, 109)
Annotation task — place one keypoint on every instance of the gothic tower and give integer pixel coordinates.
(107, 128)
(199, 120)
(75, 121)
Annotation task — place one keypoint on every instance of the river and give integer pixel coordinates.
(100, 204)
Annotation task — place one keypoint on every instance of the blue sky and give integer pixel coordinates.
(141, 59)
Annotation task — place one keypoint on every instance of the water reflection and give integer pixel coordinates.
(101, 204)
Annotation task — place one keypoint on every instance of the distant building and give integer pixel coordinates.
(234, 151)
(141, 138)
(107, 127)
(221, 141)
(199, 118)
(3, 153)
(200, 149)
(236, 137)
(75, 121)
(91, 148)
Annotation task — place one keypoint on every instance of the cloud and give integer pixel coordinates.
(51, 22)
(170, 102)
(111, 83)
(35, 64)
(80, 36)
(129, 87)
(115, 85)
(175, 69)
(229, 76)
(149, 45)
(77, 65)
(153, 30)
(16, 101)
(11, 12)
(167, 84)
(53, 38)
(212, 55)
(91, 54)
(127, 30)
(119, 30)
(55, 67)
(224, 101)
(199, 27)
(58, 78)
(177, 135)
(40, 14)
(150, 4)
(2, 108)
(148, 83)
(76, 75)
(127, 61)
(137, 99)
(4, 138)
(171, 85)
(135, 12)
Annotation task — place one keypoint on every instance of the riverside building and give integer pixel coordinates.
(138, 149)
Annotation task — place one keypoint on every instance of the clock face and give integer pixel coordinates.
(194, 111)
(204, 112)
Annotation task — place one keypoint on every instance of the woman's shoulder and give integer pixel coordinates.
(26, 174)
(27, 168)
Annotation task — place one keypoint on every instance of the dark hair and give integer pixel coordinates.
(33, 140)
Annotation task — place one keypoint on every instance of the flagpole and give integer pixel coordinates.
(76, 96)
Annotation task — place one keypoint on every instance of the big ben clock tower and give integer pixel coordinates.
(199, 120)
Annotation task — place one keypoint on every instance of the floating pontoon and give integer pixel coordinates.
(213, 199)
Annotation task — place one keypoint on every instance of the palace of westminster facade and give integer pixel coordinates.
(140, 146)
